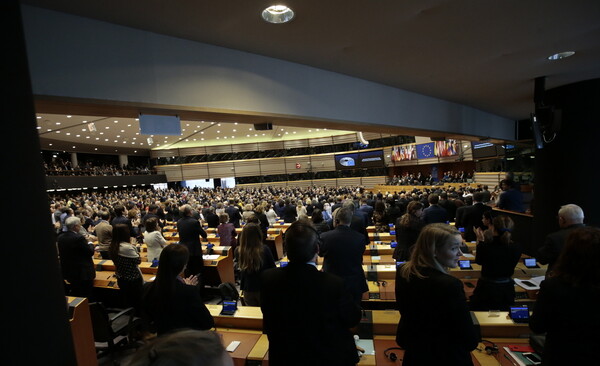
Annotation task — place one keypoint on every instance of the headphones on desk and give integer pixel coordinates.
(491, 349)
(391, 355)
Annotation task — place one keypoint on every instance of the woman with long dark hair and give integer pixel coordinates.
(435, 324)
(253, 257)
(498, 257)
(172, 302)
(380, 217)
(126, 259)
(566, 308)
(408, 227)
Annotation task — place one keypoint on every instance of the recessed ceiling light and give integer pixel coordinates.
(95, 148)
(202, 132)
(107, 127)
(49, 144)
(217, 137)
(235, 123)
(218, 131)
(49, 130)
(118, 136)
(129, 125)
(58, 123)
(39, 127)
(202, 139)
(277, 14)
(234, 130)
(77, 135)
(70, 117)
(57, 131)
(38, 117)
(561, 55)
(116, 121)
(102, 133)
(87, 137)
(73, 147)
(84, 122)
(219, 125)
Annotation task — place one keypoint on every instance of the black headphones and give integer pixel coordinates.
(491, 349)
(391, 355)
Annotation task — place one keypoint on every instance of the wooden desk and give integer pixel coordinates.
(247, 344)
(275, 243)
(246, 317)
(379, 259)
(82, 331)
(378, 249)
(385, 237)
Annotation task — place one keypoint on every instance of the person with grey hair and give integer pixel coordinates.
(342, 249)
(76, 262)
(185, 347)
(570, 217)
(190, 232)
(359, 219)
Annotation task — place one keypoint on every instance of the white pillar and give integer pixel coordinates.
(74, 163)
(123, 160)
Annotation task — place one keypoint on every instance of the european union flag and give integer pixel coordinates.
(425, 151)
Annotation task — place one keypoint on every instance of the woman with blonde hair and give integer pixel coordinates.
(253, 257)
(435, 324)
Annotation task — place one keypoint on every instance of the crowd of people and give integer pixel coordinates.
(65, 168)
(408, 178)
(321, 308)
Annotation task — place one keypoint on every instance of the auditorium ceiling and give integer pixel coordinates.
(484, 54)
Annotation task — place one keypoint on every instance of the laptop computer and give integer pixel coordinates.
(229, 307)
(530, 263)
(465, 264)
(519, 313)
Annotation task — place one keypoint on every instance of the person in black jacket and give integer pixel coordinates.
(307, 314)
(172, 302)
(190, 232)
(469, 217)
(498, 257)
(408, 228)
(570, 217)
(435, 324)
(211, 218)
(76, 259)
(566, 308)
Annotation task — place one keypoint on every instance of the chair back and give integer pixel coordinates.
(100, 323)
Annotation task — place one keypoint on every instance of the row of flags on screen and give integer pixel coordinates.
(425, 151)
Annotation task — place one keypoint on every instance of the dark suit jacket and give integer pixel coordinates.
(549, 252)
(212, 220)
(470, 218)
(358, 225)
(185, 309)
(76, 257)
(234, 215)
(289, 213)
(190, 232)
(435, 324)
(342, 249)
(569, 314)
(123, 220)
(369, 211)
(306, 316)
(433, 214)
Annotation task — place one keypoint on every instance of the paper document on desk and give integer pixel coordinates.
(467, 255)
(210, 257)
(530, 284)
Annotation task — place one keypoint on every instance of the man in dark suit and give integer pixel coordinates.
(234, 213)
(342, 249)
(317, 309)
(569, 217)
(434, 213)
(190, 232)
(469, 217)
(152, 213)
(76, 259)
(359, 219)
(289, 212)
(367, 209)
(120, 218)
(211, 218)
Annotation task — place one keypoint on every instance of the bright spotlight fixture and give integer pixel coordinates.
(561, 55)
(278, 14)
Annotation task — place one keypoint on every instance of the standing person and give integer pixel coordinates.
(342, 249)
(570, 217)
(76, 261)
(253, 257)
(259, 212)
(103, 231)
(155, 242)
(289, 212)
(435, 324)
(498, 257)
(567, 304)
(470, 217)
(234, 213)
(319, 222)
(211, 219)
(120, 218)
(190, 232)
(126, 259)
(434, 213)
(226, 232)
(408, 228)
(380, 217)
(271, 215)
(317, 309)
(172, 302)
(511, 198)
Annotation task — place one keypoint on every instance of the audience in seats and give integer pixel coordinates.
(498, 257)
(435, 324)
(173, 302)
(566, 308)
(253, 258)
(317, 309)
(570, 217)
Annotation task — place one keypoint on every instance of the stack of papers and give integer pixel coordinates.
(210, 257)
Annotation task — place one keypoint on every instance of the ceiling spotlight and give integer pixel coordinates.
(561, 55)
(278, 14)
